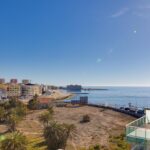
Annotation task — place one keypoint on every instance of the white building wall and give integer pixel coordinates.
(147, 116)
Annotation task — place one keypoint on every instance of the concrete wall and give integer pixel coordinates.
(147, 116)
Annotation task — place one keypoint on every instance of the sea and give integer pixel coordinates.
(120, 96)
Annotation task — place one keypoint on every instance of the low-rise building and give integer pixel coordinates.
(29, 90)
(44, 88)
(3, 94)
(74, 87)
(44, 103)
(2, 81)
(3, 87)
(3, 91)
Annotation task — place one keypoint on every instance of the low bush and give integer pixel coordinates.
(96, 147)
(118, 143)
(85, 119)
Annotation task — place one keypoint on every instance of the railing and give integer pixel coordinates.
(137, 130)
(138, 123)
(138, 133)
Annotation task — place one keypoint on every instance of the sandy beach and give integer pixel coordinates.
(55, 95)
(58, 95)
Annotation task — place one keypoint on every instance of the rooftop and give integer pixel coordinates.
(45, 100)
(30, 84)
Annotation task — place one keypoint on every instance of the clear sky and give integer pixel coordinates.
(89, 42)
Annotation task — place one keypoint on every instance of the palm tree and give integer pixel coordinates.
(14, 117)
(2, 114)
(21, 110)
(13, 102)
(14, 141)
(50, 110)
(56, 135)
(45, 118)
(13, 120)
(33, 103)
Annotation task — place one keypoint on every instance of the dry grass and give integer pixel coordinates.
(97, 131)
(103, 124)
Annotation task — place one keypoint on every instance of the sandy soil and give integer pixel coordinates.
(57, 94)
(3, 129)
(103, 124)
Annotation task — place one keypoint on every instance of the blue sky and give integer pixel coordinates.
(89, 42)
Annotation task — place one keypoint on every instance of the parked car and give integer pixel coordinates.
(127, 109)
(122, 108)
(140, 112)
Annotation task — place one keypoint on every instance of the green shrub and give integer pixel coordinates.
(56, 135)
(95, 147)
(118, 143)
(14, 141)
(85, 119)
(33, 104)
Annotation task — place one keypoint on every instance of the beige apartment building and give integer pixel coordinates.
(13, 90)
(3, 87)
(31, 90)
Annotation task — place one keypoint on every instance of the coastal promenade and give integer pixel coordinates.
(134, 114)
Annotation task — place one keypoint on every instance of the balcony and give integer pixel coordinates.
(138, 132)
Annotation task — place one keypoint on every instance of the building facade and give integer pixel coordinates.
(3, 91)
(3, 94)
(13, 90)
(13, 81)
(3, 87)
(2, 81)
(25, 81)
(29, 90)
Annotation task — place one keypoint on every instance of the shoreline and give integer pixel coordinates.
(117, 110)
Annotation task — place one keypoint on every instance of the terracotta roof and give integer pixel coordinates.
(45, 100)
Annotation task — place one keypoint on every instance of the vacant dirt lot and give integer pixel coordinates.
(103, 123)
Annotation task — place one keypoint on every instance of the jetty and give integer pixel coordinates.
(94, 89)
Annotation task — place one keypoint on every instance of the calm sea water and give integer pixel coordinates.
(121, 96)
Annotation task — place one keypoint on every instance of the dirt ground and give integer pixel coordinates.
(103, 123)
